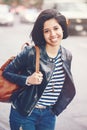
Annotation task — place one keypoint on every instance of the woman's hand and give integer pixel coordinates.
(35, 78)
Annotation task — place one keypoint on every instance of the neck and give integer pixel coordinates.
(52, 50)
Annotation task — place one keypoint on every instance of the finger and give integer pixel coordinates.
(40, 79)
(40, 74)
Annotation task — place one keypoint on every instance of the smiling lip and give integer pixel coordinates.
(54, 39)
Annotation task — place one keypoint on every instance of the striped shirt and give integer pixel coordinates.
(54, 87)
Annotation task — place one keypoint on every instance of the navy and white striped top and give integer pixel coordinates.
(54, 87)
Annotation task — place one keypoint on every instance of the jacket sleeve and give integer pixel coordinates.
(13, 70)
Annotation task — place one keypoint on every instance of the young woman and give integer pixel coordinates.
(53, 85)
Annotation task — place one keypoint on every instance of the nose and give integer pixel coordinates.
(52, 33)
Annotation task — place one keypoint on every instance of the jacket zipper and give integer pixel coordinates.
(33, 105)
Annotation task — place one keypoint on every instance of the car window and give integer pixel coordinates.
(71, 7)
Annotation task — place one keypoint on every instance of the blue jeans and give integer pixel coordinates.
(40, 119)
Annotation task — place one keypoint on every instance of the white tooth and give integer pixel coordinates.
(54, 40)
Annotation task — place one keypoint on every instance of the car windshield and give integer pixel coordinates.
(72, 6)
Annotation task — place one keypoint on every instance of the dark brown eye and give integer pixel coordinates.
(46, 31)
(56, 28)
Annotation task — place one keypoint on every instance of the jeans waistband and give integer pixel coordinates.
(42, 107)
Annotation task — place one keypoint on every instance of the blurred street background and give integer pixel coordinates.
(15, 29)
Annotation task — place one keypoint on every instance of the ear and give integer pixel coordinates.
(67, 22)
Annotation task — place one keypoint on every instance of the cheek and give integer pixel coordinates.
(60, 32)
(46, 36)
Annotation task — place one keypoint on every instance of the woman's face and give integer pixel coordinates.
(52, 32)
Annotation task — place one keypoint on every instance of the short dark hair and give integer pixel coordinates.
(37, 31)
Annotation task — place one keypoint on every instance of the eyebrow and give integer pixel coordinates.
(53, 27)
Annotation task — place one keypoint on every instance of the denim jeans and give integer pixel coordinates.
(40, 119)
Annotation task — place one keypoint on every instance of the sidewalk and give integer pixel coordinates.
(73, 118)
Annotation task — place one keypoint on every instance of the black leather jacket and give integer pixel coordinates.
(25, 63)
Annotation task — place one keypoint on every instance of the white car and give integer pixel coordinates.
(6, 17)
(28, 15)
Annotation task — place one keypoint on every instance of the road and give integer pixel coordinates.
(75, 116)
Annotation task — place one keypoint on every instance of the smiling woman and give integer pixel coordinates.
(53, 85)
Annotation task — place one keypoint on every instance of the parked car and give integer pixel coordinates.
(28, 15)
(76, 13)
(18, 9)
(6, 17)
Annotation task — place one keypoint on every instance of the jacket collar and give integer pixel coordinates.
(63, 55)
(45, 56)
